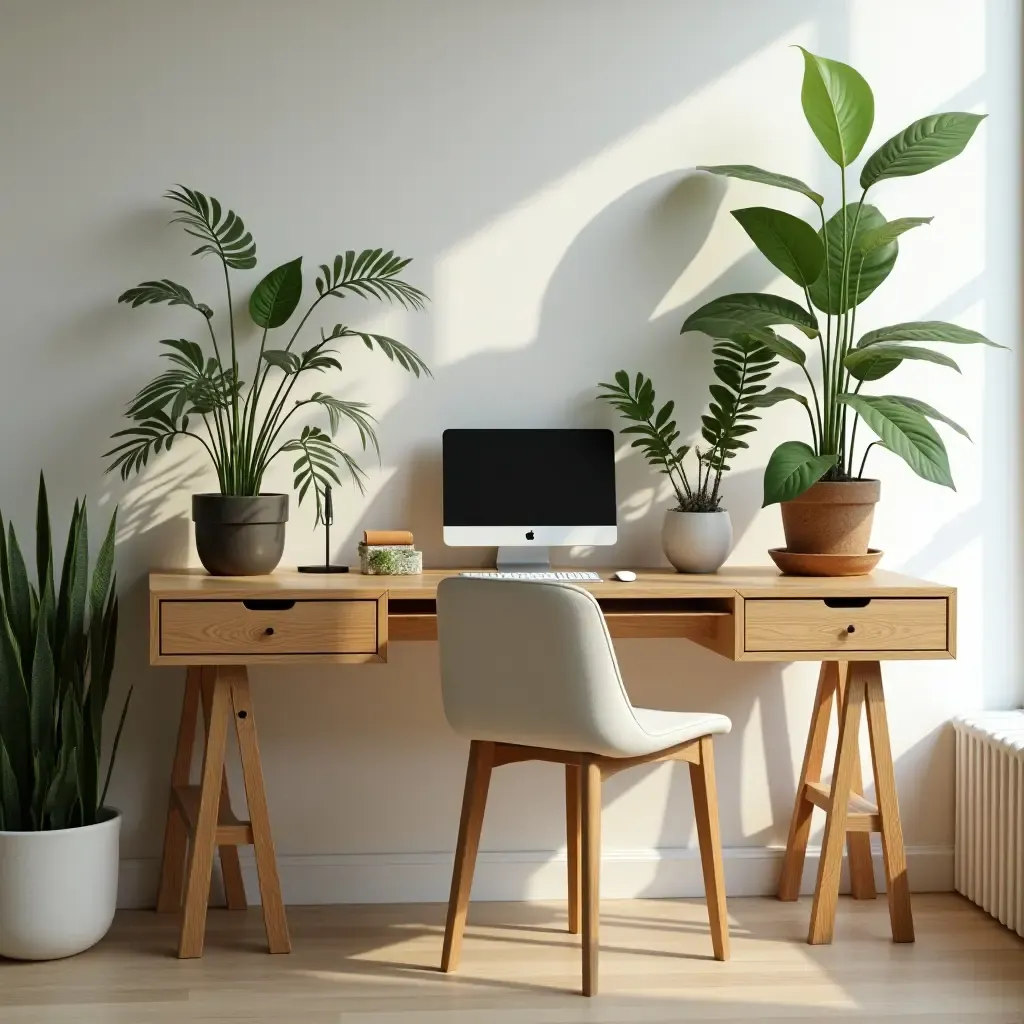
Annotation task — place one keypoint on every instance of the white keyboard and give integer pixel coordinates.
(574, 576)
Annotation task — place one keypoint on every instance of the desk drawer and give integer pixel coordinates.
(876, 624)
(269, 629)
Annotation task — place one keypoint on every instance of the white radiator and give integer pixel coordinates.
(990, 813)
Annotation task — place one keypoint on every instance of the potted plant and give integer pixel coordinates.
(827, 503)
(58, 839)
(243, 426)
(697, 532)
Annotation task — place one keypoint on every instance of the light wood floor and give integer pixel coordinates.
(377, 965)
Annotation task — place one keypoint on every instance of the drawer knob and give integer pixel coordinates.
(269, 631)
(849, 629)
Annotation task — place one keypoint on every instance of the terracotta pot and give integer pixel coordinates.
(831, 518)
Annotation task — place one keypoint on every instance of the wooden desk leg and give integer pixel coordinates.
(230, 866)
(274, 919)
(172, 864)
(573, 843)
(204, 840)
(814, 757)
(858, 844)
(893, 854)
(826, 892)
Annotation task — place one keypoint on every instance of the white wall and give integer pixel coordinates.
(536, 160)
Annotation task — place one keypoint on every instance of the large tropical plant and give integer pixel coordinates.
(836, 268)
(742, 364)
(57, 642)
(245, 426)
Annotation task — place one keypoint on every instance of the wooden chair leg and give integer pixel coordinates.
(814, 758)
(230, 866)
(172, 864)
(705, 807)
(474, 802)
(858, 844)
(826, 892)
(590, 803)
(572, 845)
(204, 840)
(274, 919)
(893, 855)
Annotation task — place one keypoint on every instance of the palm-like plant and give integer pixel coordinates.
(242, 426)
(837, 267)
(741, 366)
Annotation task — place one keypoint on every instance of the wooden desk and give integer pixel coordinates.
(216, 626)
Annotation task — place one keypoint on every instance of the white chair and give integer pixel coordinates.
(528, 673)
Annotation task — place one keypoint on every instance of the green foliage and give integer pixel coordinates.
(741, 366)
(241, 426)
(56, 657)
(860, 248)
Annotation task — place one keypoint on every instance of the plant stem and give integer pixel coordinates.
(824, 347)
(860, 475)
(237, 480)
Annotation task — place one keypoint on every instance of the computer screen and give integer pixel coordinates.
(519, 487)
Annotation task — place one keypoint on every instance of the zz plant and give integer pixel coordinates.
(836, 268)
(245, 426)
(57, 643)
(742, 364)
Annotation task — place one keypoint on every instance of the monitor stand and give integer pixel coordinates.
(516, 559)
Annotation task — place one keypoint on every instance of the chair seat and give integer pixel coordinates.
(667, 729)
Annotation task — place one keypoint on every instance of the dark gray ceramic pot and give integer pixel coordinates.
(240, 536)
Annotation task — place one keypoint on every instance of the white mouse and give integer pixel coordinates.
(624, 576)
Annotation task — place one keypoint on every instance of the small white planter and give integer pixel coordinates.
(58, 890)
(696, 541)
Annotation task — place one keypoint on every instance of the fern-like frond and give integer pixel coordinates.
(153, 433)
(372, 273)
(172, 293)
(354, 412)
(406, 358)
(222, 232)
(317, 465)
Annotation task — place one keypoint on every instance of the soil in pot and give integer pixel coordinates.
(239, 535)
(831, 518)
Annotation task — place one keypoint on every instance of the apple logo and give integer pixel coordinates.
(529, 535)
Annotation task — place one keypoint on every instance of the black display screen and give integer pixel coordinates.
(529, 478)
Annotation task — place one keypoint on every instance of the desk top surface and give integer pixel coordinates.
(748, 582)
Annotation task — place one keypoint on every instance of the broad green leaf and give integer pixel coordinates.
(283, 360)
(923, 145)
(930, 411)
(838, 106)
(274, 299)
(868, 241)
(907, 433)
(865, 275)
(875, 362)
(789, 243)
(792, 469)
(782, 347)
(926, 330)
(747, 172)
(745, 312)
(773, 397)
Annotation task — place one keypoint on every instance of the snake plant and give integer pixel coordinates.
(835, 269)
(57, 642)
(243, 426)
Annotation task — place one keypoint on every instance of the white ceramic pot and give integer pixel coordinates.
(696, 541)
(58, 889)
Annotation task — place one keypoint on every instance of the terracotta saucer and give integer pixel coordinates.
(794, 564)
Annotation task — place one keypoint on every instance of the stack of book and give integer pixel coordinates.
(389, 553)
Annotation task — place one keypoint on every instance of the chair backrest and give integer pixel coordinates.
(530, 662)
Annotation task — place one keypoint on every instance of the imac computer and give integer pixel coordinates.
(526, 490)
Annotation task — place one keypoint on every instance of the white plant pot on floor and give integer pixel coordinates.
(58, 889)
(696, 541)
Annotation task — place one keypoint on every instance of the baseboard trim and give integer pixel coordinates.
(527, 875)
